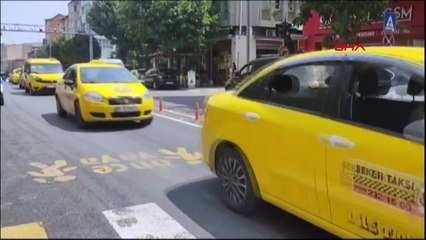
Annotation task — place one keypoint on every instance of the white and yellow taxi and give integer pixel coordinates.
(336, 138)
(41, 74)
(101, 92)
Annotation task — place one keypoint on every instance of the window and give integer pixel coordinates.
(46, 68)
(385, 97)
(246, 69)
(106, 75)
(303, 87)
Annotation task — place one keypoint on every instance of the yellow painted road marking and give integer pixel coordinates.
(29, 230)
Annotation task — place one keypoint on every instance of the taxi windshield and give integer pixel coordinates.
(106, 75)
(47, 68)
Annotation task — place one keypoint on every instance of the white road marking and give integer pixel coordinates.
(177, 120)
(178, 113)
(145, 221)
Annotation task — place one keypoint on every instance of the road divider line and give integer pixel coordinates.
(177, 120)
(145, 221)
(33, 230)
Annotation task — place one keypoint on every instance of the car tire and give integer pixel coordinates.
(145, 122)
(78, 117)
(233, 178)
(60, 111)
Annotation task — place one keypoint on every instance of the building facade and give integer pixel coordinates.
(409, 31)
(78, 12)
(235, 45)
(54, 23)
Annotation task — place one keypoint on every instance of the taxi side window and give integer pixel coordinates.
(304, 87)
(386, 97)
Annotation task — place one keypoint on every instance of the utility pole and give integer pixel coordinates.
(50, 50)
(90, 47)
(248, 31)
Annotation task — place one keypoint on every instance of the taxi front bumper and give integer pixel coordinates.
(103, 112)
(43, 86)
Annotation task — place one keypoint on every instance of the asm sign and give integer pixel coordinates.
(343, 46)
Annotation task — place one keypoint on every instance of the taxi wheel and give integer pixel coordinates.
(78, 117)
(60, 111)
(237, 188)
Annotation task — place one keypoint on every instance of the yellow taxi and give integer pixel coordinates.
(41, 74)
(15, 76)
(103, 92)
(336, 138)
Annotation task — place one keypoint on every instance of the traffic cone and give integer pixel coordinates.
(161, 104)
(197, 112)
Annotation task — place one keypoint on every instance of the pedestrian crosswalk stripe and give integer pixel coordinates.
(145, 221)
(29, 230)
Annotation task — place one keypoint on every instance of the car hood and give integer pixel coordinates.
(48, 76)
(116, 89)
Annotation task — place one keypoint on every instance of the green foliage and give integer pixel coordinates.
(43, 52)
(75, 50)
(345, 17)
(182, 25)
(104, 20)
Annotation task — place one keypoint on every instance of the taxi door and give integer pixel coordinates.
(375, 175)
(66, 92)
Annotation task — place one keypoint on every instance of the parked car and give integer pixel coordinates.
(248, 69)
(161, 78)
(139, 73)
(335, 138)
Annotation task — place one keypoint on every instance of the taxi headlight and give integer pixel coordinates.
(93, 97)
(147, 96)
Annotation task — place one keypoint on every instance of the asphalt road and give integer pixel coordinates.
(117, 180)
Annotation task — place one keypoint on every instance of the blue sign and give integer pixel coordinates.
(389, 23)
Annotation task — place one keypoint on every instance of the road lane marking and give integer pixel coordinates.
(178, 120)
(145, 221)
(29, 230)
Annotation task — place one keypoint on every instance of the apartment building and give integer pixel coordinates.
(54, 23)
(233, 46)
(77, 13)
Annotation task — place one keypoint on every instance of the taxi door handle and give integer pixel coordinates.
(251, 116)
(339, 142)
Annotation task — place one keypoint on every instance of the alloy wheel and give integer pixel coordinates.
(233, 179)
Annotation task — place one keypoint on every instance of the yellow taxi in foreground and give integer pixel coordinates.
(103, 92)
(41, 74)
(336, 138)
(16, 75)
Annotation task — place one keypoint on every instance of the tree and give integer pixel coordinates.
(75, 50)
(344, 17)
(182, 25)
(104, 20)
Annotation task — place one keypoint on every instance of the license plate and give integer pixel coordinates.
(126, 109)
(51, 86)
(170, 83)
